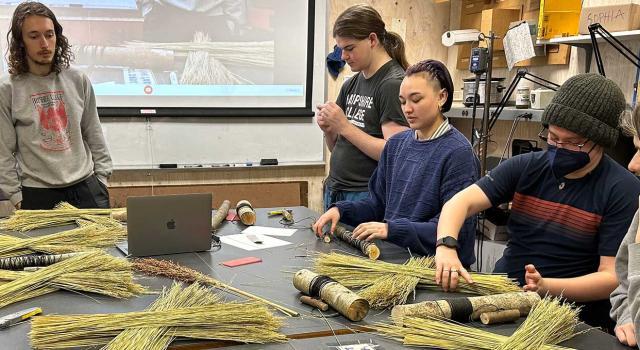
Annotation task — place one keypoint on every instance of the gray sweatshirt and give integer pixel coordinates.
(625, 302)
(49, 128)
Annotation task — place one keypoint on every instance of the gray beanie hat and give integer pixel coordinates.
(589, 105)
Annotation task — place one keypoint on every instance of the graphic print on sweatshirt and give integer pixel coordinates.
(357, 106)
(53, 120)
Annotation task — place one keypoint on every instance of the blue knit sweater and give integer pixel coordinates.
(412, 182)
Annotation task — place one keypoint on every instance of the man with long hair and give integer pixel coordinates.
(51, 144)
(367, 112)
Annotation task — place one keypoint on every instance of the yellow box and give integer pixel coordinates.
(558, 18)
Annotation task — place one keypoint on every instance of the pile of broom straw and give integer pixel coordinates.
(62, 214)
(550, 322)
(93, 272)
(89, 236)
(386, 284)
(155, 267)
(193, 312)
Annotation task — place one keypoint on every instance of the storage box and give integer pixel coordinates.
(558, 18)
(494, 232)
(509, 4)
(613, 18)
(475, 6)
(498, 20)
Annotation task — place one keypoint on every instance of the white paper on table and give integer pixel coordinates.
(241, 241)
(270, 231)
(518, 45)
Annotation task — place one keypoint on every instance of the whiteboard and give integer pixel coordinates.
(141, 143)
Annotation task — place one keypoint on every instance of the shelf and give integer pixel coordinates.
(508, 113)
(217, 166)
(577, 40)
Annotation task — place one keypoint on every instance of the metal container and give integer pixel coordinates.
(496, 91)
(522, 97)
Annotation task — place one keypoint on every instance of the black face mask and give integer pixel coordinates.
(564, 161)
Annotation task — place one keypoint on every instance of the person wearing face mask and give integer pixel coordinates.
(625, 299)
(571, 204)
(418, 171)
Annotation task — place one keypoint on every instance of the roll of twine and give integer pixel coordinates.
(461, 309)
(318, 283)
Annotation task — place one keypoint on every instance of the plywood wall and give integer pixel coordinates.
(420, 23)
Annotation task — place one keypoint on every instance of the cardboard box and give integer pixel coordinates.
(475, 6)
(613, 18)
(509, 4)
(471, 21)
(492, 231)
(498, 20)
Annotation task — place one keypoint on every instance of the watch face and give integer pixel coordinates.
(449, 242)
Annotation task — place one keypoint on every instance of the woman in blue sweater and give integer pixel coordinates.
(419, 170)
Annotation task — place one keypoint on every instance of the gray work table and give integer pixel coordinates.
(270, 279)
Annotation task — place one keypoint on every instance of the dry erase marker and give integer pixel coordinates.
(17, 317)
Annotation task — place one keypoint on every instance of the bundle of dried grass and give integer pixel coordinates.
(256, 54)
(201, 68)
(62, 214)
(86, 237)
(193, 312)
(94, 272)
(386, 284)
(549, 323)
(177, 272)
(393, 289)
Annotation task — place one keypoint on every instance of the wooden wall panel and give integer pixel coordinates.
(262, 180)
(267, 194)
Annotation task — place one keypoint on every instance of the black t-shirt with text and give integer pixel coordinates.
(367, 103)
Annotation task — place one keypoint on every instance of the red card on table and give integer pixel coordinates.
(242, 261)
(231, 215)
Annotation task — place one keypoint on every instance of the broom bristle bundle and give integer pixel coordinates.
(62, 214)
(193, 312)
(386, 284)
(177, 272)
(89, 236)
(95, 272)
(549, 323)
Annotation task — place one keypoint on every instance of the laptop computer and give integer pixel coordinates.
(159, 225)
